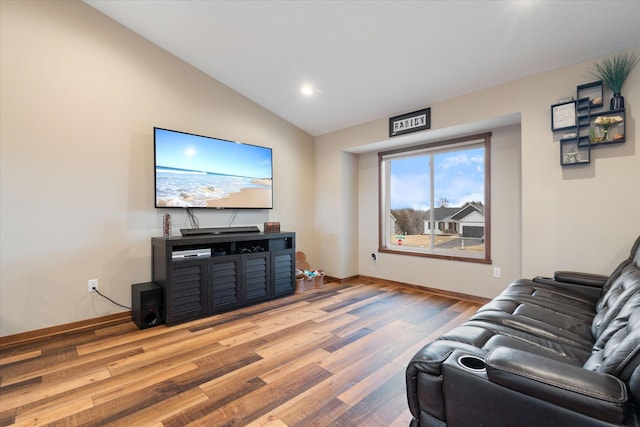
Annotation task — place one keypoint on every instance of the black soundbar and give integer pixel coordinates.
(219, 230)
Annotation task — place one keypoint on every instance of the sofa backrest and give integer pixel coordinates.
(616, 291)
(610, 304)
(617, 344)
(634, 257)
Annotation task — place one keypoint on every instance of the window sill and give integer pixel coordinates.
(451, 255)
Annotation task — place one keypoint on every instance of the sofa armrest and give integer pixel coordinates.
(578, 278)
(591, 393)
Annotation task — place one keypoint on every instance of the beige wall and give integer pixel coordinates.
(80, 96)
(545, 217)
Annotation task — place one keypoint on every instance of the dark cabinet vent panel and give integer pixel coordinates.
(187, 286)
(225, 284)
(283, 270)
(256, 274)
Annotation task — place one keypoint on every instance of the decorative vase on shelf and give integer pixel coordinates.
(617, 102)
(597, 134)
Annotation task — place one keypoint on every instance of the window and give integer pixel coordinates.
(434, 199)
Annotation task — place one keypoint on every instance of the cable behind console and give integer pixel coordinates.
(193, 220)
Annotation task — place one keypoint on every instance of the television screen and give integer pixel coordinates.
(194, 171)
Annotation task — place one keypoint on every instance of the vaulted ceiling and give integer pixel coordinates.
(368, 60)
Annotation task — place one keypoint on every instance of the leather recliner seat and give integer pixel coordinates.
(561, 351)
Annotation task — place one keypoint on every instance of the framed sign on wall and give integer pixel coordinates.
(410, 122)
(563, 116)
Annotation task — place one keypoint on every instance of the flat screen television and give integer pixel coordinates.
(195, 171)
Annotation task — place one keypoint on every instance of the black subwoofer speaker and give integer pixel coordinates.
(146, 305)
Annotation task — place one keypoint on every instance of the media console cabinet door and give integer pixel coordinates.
(187, 292)
(257, 269)
(224, 279)
(284, 272)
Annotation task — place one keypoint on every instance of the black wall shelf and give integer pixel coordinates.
(593, 125)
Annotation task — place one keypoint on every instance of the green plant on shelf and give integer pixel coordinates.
(613, 71)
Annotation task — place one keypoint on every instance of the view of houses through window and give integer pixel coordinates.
(433, 199)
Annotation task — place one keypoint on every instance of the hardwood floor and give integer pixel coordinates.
(333, 356)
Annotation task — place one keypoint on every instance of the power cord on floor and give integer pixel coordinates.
(106, 297)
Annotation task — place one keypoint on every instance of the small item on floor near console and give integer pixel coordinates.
(306, 278)
(271, 227)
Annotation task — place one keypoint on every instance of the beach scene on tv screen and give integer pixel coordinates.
(198, 171)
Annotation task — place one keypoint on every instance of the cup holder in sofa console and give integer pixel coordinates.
(472, 363)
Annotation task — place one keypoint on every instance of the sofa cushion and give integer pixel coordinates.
(599, 396)
(549, 349)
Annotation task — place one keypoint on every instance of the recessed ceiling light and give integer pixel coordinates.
(307, 90)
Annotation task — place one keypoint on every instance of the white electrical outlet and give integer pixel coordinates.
(497, 272)
(92, 285)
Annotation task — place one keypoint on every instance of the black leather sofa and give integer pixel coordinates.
(561, 351)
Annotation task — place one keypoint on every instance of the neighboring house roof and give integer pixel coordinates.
(441, 213)
(454, 214)
(467, 210)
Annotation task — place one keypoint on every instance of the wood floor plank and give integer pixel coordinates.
(43, 390)
(301, 335)
(49, 413)
(377, 341)
(333, 356)
(313, 401)
(191, 347)
(169, 407)
(379, 408)
(403, 420)
(109, 388)
(317, 413)
(129, 385)
(284, 370)
(267, 420)
(20, 357)
(253, 370)
(48, 362)
(259, 402)
(132, 339)
(277, 323)
(362, 389)
(8, 418)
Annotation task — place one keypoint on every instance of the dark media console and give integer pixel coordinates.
(201, 275)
